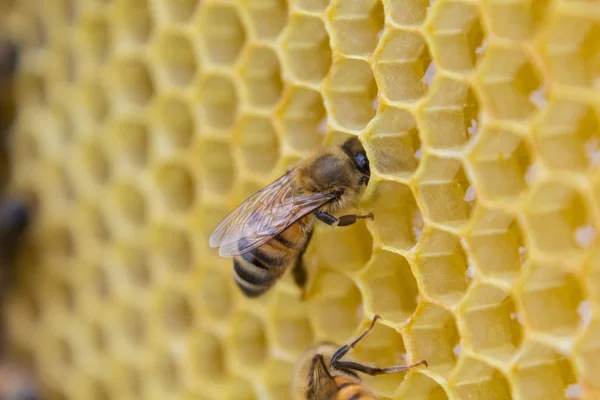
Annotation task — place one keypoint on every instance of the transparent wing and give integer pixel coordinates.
(264, 215)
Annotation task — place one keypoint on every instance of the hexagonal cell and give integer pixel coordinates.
(555, 213)
(491, 326)
(393, 141)
(390, 289)
(219, 101)
(509, 79)
(94, 222)
(402, 60)
(267, 18)
(135, 264)
(355, 26)
(94, 159)
(292, 332)
(572, 49)
(58, 241)
(100, 282)
(208, 356)
(261, 76)
(450, 114)
(259, 143)
(99, 338)
(276, 378)
(130, 381)
(67, 65)
(133, 325)
(306, 51)
(174, 246)
(176, 185)
(134, 81)
(176, 56)
(62, 295)
(397, 217)
(476, 380)
(347, 249)
(457, 35)
(433, 337)
(96, 35)
(540, 372)
(221, 33)
(550, 288)
(66, 354)
(175, 120)
(301, 113)
(420, 387)
(526, 15)
(131, 203)
(496, 243)
(248, 341)
(177, 312)
(95, 102)
(334, 305)
(60, 183)
(382, 347)
(181, 10)
(500, 161)
(168, 372)
(132, 138)
(444, 191)
(407, 12)
(217, 165)
(442, 267)
(568, 135)
(134, 18)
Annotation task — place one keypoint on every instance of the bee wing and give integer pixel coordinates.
(264, 215)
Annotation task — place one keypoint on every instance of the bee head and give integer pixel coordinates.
(355, 150)
(328, 171)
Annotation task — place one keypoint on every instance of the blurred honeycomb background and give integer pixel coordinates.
(143, 122)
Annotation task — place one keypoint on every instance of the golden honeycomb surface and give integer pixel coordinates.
(143, 122)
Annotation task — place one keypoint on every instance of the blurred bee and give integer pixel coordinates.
(314, 380)
(269, 232)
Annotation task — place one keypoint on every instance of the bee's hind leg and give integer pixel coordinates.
(300, 276)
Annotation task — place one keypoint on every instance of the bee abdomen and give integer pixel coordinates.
(350, 390)
(257, 270)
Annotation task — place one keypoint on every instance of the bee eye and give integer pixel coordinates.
(362, 162)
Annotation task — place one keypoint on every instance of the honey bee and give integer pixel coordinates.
(269, 232)
(314, 380)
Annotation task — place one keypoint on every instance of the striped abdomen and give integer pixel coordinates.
(347, 389)
(256, 271)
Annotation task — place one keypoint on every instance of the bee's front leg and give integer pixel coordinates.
(344, 220)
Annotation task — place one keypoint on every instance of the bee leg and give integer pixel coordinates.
(341, 352)
(300, 275)
(344, 220)
(354, 366)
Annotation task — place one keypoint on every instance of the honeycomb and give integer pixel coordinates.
(143, 122)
